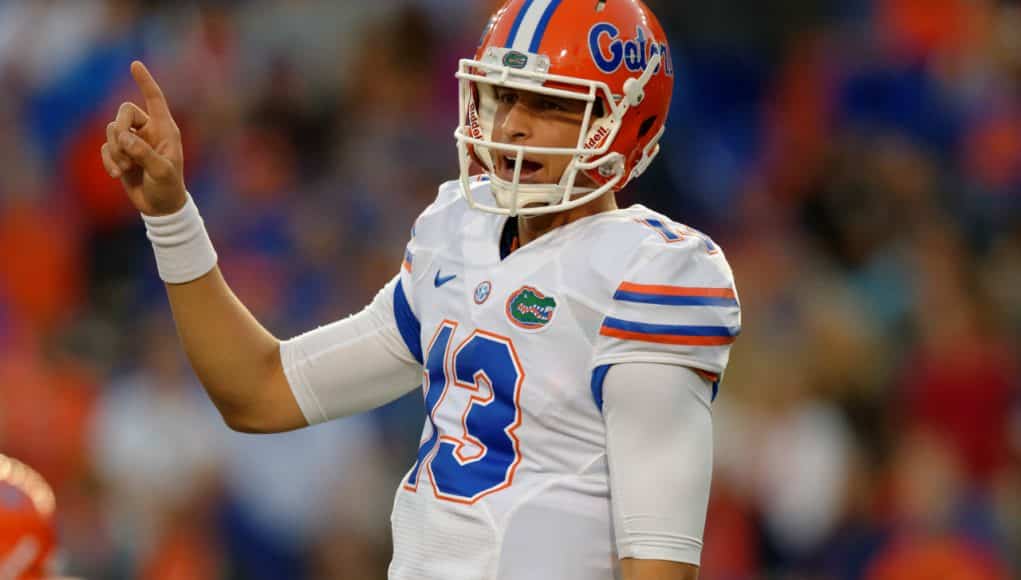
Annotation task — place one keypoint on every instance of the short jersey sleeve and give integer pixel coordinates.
(403, 303)
(675, 304)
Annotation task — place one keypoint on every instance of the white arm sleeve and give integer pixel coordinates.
(659, 440)
(352, 365)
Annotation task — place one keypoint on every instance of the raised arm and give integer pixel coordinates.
(238, 361)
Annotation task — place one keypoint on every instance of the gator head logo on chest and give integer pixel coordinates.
(530, 309)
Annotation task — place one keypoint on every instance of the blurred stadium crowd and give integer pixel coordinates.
(859, 160)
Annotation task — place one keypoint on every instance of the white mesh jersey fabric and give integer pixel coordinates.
(512, 480)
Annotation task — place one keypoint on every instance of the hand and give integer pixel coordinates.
(143, 149)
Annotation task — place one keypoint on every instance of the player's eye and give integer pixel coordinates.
(551, 105)
(507, 97)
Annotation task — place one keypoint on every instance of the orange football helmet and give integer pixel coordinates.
(610, 54)
(28, 535)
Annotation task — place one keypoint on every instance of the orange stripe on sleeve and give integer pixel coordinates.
(676, 290)
(668, 338)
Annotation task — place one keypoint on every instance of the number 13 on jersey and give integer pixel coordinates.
(471, 459)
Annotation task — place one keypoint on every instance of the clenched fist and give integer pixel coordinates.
(143, 149)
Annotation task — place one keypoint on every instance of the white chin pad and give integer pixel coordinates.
(527, 194)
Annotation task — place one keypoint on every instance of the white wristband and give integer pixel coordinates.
(183, 250)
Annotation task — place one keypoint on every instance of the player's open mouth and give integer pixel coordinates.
(529, 169)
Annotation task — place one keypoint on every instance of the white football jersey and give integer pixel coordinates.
(511, 478)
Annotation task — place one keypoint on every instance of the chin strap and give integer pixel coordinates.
(648, 155)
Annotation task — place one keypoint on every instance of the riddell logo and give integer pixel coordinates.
(596, 140)
(473, 123)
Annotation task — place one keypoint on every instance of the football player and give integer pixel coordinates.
(568, 350)
(28, 535)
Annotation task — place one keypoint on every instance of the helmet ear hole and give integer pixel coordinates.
(646, 126)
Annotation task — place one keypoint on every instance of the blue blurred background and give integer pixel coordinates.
(859, 160)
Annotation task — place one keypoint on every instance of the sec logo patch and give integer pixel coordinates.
(482, 291)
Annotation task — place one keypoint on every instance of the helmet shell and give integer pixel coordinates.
(610, 42)
(28, 535)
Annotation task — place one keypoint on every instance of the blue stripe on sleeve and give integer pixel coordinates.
(668, 300)
(644, 328)
(407, 324)
(598, 377)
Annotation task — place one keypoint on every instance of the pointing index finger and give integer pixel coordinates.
(155, 102)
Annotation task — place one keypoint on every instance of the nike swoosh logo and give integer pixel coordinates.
(441, 280)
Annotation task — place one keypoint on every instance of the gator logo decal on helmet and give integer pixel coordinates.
(514, 59)
(530, 309)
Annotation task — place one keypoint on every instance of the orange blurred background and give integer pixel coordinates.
(859, 160)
